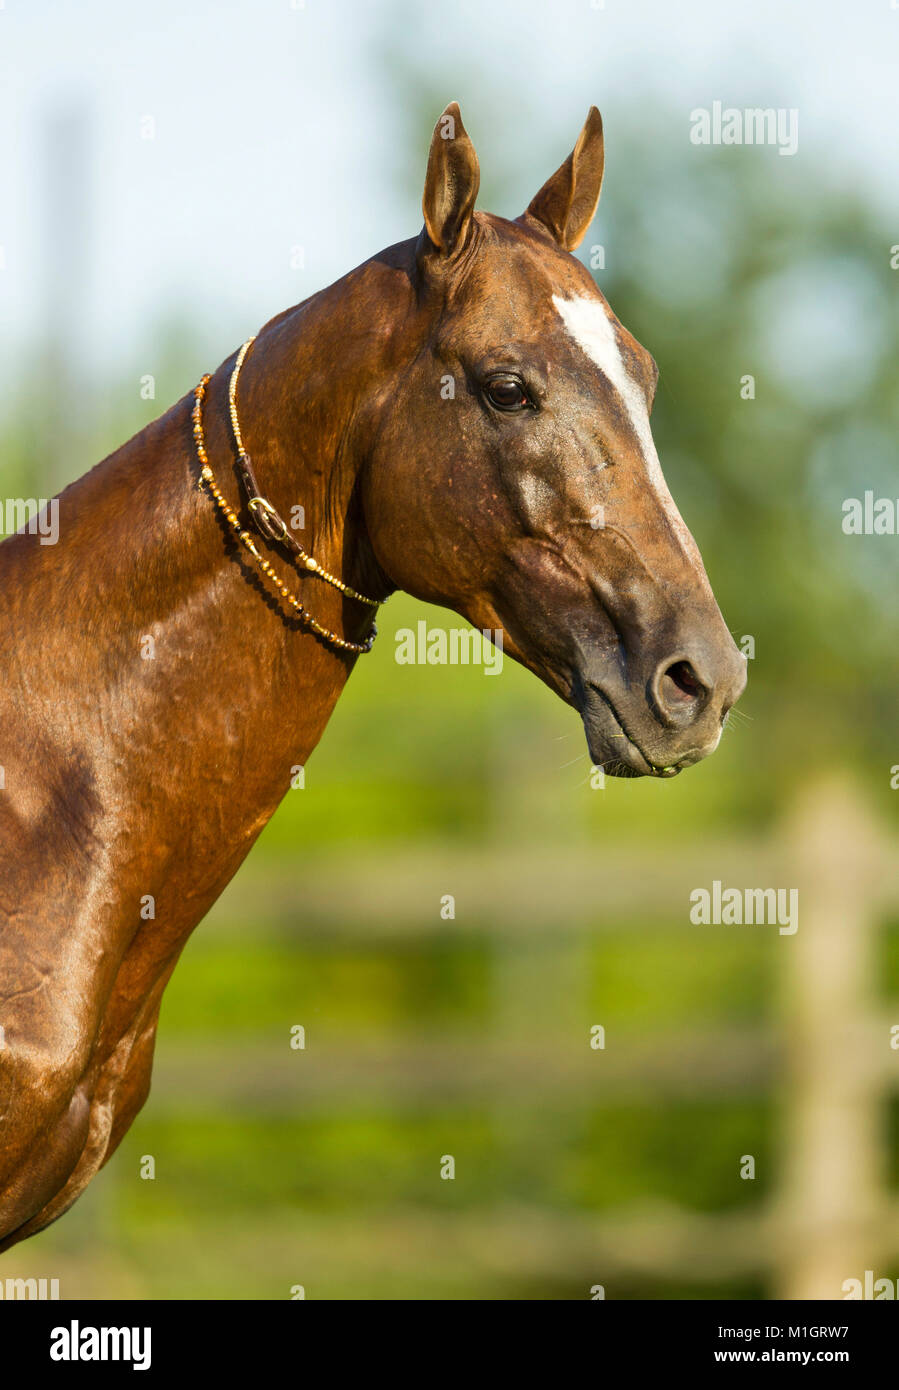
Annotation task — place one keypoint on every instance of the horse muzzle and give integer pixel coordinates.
(657, 726)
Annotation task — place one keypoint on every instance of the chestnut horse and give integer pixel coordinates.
(462, 417)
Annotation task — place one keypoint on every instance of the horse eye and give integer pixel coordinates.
(506, 393)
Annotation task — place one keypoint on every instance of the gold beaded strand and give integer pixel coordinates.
(207, 477)
(274, 520)
(232, 394)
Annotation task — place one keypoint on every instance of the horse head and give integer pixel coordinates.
(514, 477)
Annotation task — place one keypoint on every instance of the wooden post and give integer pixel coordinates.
(831, 1199)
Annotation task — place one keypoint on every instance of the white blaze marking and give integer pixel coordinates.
(592, 329)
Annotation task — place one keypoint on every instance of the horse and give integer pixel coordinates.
(463, 417)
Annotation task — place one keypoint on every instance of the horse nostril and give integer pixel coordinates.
(679, 693)
(682, 694)
(681, 685)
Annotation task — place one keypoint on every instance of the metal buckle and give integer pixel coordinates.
(267, 519)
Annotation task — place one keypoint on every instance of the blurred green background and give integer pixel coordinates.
(575, 1167)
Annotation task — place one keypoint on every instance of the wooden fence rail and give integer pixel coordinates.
(829, 1058)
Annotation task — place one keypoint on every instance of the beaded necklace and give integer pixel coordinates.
(267, 520)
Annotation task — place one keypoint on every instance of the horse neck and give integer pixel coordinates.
(203, 726)
(307, 397)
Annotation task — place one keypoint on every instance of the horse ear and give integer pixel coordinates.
(451, 183)
(567, 202)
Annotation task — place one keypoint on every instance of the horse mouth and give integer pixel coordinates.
(614, 749)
